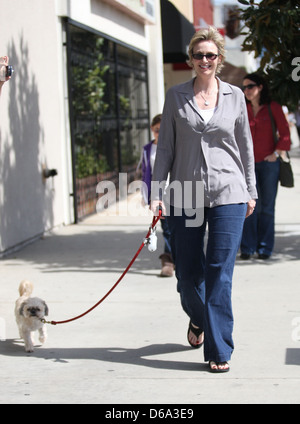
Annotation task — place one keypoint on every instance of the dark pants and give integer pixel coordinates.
(259, 228)
(205, 280)
(166, 235)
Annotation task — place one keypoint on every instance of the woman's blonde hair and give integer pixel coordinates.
(208, 34)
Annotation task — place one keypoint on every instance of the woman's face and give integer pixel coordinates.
(155, 131)
(251, 90)
(204, 65)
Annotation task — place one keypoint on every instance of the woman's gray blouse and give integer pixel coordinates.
(218, 154)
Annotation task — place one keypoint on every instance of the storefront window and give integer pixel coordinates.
(108, 109)
(133, 98)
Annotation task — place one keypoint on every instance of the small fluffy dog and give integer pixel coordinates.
(29, 311)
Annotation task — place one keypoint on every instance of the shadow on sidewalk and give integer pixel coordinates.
(92, 250)
(287, 247)
(292, 357)
(97, 250)
(120, 355)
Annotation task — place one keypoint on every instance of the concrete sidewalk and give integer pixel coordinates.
(133, 349)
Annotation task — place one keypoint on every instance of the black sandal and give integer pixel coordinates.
(217, 364)
(196, 332)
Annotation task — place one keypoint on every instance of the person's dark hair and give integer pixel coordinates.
(156, 120)
(265, 97)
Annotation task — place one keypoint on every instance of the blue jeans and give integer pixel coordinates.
(205, 279)
(259, 228)
(166, 235)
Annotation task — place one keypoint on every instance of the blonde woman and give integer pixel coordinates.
(205, 136)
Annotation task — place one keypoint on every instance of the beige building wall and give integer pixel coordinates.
(185, 7)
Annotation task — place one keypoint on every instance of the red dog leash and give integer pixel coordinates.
(154, 222)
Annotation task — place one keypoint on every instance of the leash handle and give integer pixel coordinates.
(154, 222)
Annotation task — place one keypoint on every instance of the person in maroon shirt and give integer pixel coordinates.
(259, 228)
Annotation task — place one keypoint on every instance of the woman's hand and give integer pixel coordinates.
(156, 205)
(251, 207)
(4, 62)
(274, 156)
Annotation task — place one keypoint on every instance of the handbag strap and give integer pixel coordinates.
(274, 129)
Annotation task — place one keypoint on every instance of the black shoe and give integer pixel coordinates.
(245, 256)
(263, 256)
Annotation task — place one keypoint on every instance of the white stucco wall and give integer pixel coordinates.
(34, 120)
(31, 118)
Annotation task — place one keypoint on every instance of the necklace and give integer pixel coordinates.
(206, 102)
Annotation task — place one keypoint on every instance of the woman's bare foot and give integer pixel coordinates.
(195, 336)
(219, 366)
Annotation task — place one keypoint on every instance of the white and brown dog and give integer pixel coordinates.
(29, 312)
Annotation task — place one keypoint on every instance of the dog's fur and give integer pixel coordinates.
(29, 311)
